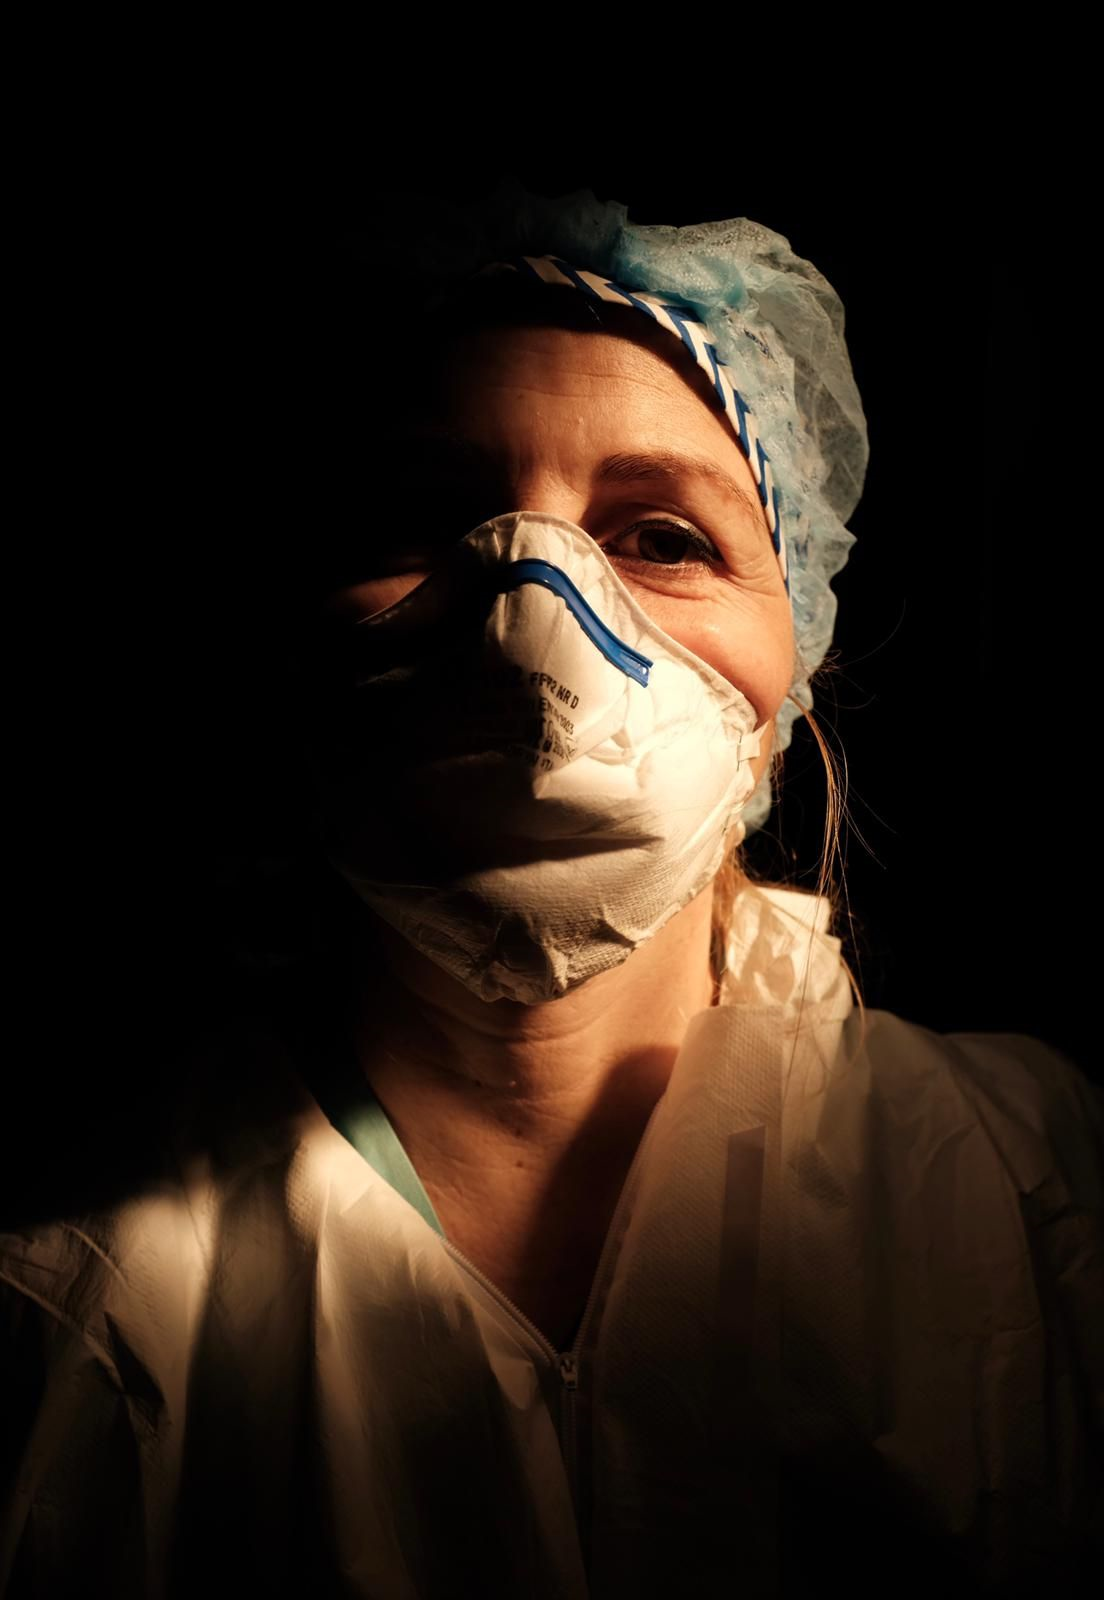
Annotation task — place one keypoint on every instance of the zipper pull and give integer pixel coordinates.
(569, 1372)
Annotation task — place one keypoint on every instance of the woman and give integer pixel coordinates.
(568, 1229)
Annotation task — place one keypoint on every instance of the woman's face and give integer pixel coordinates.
(618, 435)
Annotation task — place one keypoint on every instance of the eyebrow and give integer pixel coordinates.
(669, 466)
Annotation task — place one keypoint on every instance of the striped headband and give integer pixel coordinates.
(695, 336)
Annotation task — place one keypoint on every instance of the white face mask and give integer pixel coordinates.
(530, 778)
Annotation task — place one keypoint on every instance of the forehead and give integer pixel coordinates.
(623, 409)
(621, 369)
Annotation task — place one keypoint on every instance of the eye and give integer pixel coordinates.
(663, 543)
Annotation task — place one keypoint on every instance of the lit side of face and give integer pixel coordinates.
(619, 436)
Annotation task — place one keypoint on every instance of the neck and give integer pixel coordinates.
(503, 1083)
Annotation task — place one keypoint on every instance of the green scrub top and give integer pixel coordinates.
(350, 1103)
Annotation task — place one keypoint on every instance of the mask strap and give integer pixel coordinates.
(750, 743)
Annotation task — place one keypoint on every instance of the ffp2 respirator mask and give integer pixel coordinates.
(520, 771)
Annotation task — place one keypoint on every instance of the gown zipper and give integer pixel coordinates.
(566, 1363)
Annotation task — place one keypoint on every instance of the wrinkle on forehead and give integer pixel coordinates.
(637, 342)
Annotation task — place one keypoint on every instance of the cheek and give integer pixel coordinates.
(748, 640)
(359, 600)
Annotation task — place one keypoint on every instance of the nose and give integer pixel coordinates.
(534, 488)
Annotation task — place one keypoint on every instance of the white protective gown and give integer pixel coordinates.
(847, 1332)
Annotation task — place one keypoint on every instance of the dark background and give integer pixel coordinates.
(180, 315)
